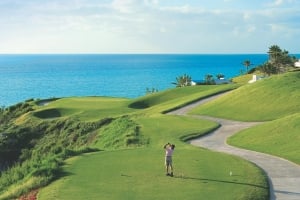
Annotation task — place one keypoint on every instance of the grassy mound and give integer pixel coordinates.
(279, 137)
(48, 113)
(268, 99)
(162, 102)
(86, 108)
(121, 133)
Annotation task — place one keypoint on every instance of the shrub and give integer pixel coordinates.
(121, 133)
(38, 147)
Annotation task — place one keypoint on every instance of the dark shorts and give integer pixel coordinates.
(168, 160)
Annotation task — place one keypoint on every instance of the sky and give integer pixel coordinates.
(148, 26)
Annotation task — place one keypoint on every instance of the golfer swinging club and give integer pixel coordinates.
(168, 159)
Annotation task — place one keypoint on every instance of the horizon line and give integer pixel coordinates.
(167, 53)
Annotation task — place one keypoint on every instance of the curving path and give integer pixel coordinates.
(284, 176)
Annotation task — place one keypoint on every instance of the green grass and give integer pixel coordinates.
(94, 108)
(243, 79)
(279, 137)
(121, 133)
(140, 174)
(276, 98)
(189, 93)
(174, 98)
(136, 171)
(268, 99)
(85, 108)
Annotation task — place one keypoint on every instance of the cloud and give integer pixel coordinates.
(278, 2)
(144, 25)
(123, 6)
(282, 3)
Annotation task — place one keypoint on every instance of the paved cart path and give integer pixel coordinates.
(284, 176)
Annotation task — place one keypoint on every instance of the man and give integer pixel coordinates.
(168, 159)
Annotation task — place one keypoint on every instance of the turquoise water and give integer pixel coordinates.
(44, 76)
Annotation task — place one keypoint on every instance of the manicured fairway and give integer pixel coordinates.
(85, 108)
(139, 173)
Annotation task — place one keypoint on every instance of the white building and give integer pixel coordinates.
(297, 64)
(254, 78)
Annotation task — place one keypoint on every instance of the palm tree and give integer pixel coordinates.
(247, 64)
(268, 68)
(219, 76)
(184, 80)
(274, 54)
(280, 58)
(151, 91)
(209, 80)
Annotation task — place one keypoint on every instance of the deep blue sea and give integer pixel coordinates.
(119, 75)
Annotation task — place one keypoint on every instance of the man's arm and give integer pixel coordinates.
(166, 145)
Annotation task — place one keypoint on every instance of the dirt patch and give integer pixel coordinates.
(30, 196)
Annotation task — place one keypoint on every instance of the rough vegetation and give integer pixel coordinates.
(36, 149)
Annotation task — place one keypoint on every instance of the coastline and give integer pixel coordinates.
(43, 76)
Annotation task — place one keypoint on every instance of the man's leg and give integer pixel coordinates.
(167, 167)
(171, 167)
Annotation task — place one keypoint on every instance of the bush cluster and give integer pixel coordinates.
(121, 133)
(37, 148)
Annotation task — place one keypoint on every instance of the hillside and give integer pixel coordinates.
(268, 99)
(276, 100)
(107, 143)
(279, 137)
(126, 141)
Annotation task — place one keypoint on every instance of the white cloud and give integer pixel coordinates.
(282, 3)
(251, 28)
(126, 6)
(278, 2)
(144, 26)
(163, 30)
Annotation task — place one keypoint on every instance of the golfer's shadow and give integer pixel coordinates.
(206, 180)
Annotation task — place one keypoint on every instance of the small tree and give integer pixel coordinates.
(268, 69)
(247, 64)
(280, 59)
(183, 81)
(219, 76)
(151, 91)
(209, 80)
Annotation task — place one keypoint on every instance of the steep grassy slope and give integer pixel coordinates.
(268, 99)
(162, 102)
(280, 137)
(276, 98)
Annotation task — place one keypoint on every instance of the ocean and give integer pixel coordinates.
(117, 75)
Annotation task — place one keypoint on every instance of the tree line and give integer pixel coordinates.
(279, 61)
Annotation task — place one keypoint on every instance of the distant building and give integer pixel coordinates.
(254, 78)
(197, 82)
(222, 81)
(297, 64)
(216, 81)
